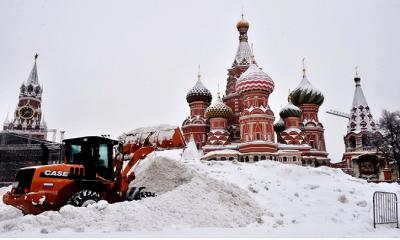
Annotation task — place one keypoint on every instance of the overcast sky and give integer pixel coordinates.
(111, 66)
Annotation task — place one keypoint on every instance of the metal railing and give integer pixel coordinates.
(385, 208)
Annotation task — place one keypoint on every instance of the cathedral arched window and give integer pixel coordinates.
(352, 142)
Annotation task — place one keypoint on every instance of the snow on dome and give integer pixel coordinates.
(279, 126)
(218, 109)
(306, 93)
(199, 93)
(244, 55)
(254, 79)
(290, 110)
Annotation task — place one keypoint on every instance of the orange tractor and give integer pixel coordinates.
(90, 172)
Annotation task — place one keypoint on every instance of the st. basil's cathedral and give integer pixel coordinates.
(241, 126)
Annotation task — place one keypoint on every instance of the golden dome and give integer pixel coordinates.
(242, 24)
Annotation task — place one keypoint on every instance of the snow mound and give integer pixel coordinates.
(220, 199)
(186, 199)
(161, 174)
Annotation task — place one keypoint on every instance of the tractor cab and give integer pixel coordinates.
(94, 153)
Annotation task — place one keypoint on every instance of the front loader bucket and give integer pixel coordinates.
(160, 137)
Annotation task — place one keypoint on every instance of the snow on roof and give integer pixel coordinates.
(33, 76)
(292, 129)
(198, 92)
(360, 115)
(293, 146)
(221, 152)
(359, 98)
(244, 55)
(291, 106)
(255, 72)
(218, 109)
(160, 133)
(254, 78)
(306, 85)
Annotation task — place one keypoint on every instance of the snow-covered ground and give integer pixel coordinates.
(219, 199)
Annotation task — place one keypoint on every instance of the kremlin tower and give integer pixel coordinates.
(196, 125)
(28, 113)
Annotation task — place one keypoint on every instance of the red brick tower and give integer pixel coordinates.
(218, 114)
(309, 99)
(243, 59)
(256, 119)
(28, 114)
(196, 125)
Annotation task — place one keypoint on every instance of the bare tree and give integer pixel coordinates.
(389, 143)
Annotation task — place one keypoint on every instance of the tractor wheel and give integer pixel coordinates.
(84, 198)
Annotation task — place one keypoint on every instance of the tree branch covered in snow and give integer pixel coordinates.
(389, 144)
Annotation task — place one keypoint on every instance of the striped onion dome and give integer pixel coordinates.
(254, 79)
(306, 93)
(279, 126)
(290, 110)
(218, 109)
(199, 93)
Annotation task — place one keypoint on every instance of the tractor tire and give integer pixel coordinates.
(84, 198)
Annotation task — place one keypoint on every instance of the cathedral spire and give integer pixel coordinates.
(304, 68)
(6, 121)
(357, 78)
(361, 118)
(244, 55)
(33, 76)
(198, 73)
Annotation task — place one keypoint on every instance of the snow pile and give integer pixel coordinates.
(220, 199)
(186, 199)
(304, 201)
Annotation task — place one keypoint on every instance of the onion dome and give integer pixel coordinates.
(242, 25)
(306, 93)
(218, 109)
(290, 110)
(254, 79)
(199, 92)
(279, 126)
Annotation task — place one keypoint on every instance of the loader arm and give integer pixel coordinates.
(139, 150)
(126, 179)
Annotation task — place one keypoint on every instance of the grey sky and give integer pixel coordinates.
(112, 66)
